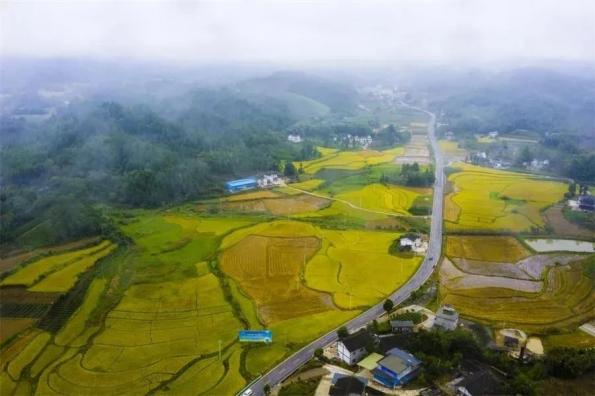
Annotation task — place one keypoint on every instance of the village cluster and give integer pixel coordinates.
(367, 363)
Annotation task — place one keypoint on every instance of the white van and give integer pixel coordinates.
(248, 392)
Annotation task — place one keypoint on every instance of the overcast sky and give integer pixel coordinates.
(460, 31)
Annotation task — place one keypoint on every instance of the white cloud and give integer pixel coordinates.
(294, 31)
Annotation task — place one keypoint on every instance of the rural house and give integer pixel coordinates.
(402, 326)
(270, 180)
(397, 368)
(294, 138)
(413, 243)
(447, 318)
(353, 347)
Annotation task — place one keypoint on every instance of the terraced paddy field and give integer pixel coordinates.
(160, 312)
(349, 160)
(489, 199)
(498, 281)
(156, 312)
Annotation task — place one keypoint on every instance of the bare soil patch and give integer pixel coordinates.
(554, 217)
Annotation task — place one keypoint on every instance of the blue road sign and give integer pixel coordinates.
(256, 336)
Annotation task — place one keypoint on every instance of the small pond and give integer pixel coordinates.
(558, 245)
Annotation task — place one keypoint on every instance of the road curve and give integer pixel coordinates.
(292, 363)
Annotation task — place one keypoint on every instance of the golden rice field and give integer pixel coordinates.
(308, 185)
(351, 160)
(162, 335)
(58, 272)
(486, 248)
(452, 150)
(268, 270)
(496, 280)
(345, 265)
(382, 198)
(155, 314)
(497, 200)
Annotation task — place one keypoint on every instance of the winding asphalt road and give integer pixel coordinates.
(291, 364)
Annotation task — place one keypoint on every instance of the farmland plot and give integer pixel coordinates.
(535, 292)
(350, 160)
(498, 200)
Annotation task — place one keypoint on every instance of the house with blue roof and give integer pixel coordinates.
(241, 185)
(396, 369)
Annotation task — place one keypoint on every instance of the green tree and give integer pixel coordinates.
(342, 332)
(290, 170)
(388, 305)
(318, 353)
(525, 157)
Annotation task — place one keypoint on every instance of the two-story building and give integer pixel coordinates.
(352, 349)
(396, 369)
(447, 318)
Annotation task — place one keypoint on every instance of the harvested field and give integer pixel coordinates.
(491, 268)
(268, 269)
(252, 196)
(498, 200)
(562, 227)
(566, 300)
(12, 326)
(278, 206)
(455, 279)
(535, 265)
(486, 248)
(416, 150)
(534, 293)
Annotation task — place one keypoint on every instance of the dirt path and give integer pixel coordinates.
(351, 205)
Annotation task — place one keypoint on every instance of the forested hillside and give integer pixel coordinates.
(540, 100)
(57, 170)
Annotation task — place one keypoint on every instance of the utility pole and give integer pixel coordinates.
(219, 349)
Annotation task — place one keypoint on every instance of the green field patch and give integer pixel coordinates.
(259, 359)
(78, 321)
(27, 355)
(199, 378)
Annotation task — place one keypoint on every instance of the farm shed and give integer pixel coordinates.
(240, 185)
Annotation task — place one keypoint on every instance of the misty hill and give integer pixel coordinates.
(57, 170)
(531, 99)
(322, 94)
